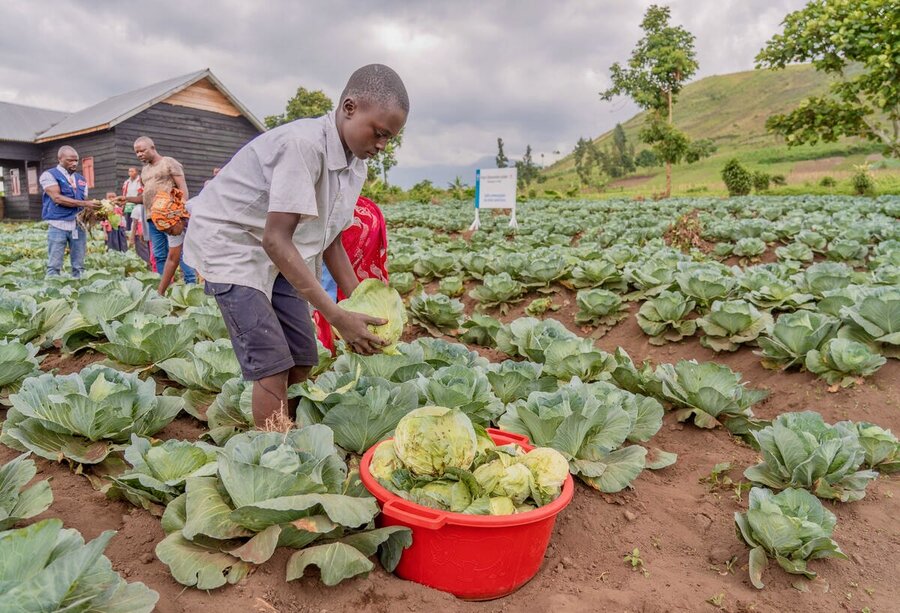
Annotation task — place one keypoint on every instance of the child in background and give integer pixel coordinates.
(116, 238)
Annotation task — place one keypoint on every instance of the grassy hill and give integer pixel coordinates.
(732, 110)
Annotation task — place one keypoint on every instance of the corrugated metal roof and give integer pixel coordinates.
(117, 109)
(23, 123)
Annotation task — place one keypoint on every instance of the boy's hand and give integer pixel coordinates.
(354, 329)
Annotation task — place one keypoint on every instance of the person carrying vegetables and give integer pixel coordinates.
(260, 230)
(65, 195)
(169, 215)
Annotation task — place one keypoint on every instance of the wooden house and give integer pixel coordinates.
(191, 118)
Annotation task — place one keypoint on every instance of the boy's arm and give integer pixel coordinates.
(279, 246)
(339, 266)
(168, 273)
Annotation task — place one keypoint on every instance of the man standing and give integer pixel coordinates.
(65, 195)
(159, 174)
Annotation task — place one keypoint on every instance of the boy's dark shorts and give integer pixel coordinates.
(268, 337)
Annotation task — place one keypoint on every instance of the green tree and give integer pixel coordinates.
(699, 149)
(526, 169)
(857, 42)
(305, 103)
(457, 188)
(661, 62)
(502, 160)
(669, 143)
(622, 150)
(423, 192)
(382, 162)
(585, 158)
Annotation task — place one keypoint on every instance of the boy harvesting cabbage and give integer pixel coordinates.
(259, 229)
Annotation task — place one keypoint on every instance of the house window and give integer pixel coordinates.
(31, 174)
(14, 189)
(87, 169)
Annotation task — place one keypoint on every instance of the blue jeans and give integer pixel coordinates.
(328, 283)
(57, 240)
(160, 246)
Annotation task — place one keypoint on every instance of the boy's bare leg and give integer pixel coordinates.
(270, 394)
(297, 374)
(269, 398)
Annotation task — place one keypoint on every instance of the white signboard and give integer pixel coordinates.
(495, 188)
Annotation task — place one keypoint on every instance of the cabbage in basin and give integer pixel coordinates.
(429, 440)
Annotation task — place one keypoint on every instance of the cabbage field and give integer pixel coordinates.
(720, 375)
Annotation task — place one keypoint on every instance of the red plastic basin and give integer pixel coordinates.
(475, 557)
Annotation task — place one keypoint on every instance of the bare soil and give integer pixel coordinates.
(684, 531)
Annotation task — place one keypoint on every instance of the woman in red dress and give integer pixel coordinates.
(365, 242)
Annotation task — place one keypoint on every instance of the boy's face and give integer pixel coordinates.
(367, 128)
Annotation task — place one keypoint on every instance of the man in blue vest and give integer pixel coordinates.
(65, 195)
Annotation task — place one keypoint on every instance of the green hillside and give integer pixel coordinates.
(732, 110)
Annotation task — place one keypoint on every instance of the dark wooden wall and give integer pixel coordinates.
(17, 155)
(200, 140)
(24, 205)
(99, 145)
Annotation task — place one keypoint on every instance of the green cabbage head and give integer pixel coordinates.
(549, 468)
(384, 462)
(374, 298)
(429, 440)
(793, 527)
(843, 362)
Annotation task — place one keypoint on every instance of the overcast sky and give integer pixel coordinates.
(528, 71)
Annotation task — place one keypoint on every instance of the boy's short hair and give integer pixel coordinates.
(379, 84)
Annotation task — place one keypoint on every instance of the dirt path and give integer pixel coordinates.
(627, 182)
(684, 531)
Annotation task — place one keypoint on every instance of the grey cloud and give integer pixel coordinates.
(525, 70)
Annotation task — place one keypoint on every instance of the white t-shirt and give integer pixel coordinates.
(132, 187)
(300, 167)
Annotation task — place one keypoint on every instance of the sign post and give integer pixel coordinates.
(495, 188)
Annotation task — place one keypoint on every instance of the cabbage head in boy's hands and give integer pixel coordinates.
(372, 297)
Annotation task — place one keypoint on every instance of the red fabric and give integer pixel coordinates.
(365, 242)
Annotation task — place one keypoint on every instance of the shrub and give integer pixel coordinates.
(737, 179)
(862, 181)
(761, 181)
(827, 182)
(778, 180)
